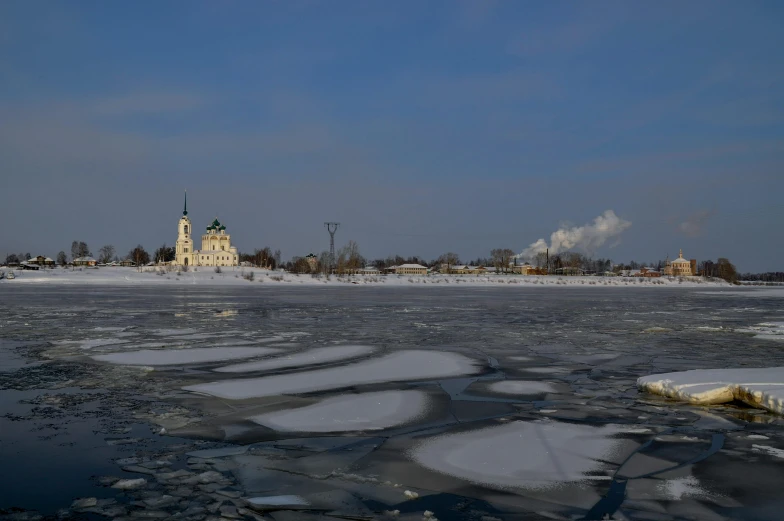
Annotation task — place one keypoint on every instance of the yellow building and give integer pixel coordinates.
(680, 267)
(409, 269)
(216, 248)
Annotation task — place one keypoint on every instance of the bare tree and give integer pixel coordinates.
(106, 253)
(12, 258)
(354, 261)
(450, 259)
(62, 259)
(79, 249)
(502, 257)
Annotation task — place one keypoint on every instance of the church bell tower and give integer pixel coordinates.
(184, 246)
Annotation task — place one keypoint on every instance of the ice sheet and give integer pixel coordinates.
(91, 343)
(358, 412)
(533, 455)
(155, 357)
(762, 388)
(314, 356)
(522, 387)
(400, 366)
(766, 331)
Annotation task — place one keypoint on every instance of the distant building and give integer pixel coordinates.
(85, 261)
(368, 270)
(128, 263)
(312, 261)
(41, 261)
(409, 269)
(216, 248)
(648, 272)
(525, 269)
(681, 267)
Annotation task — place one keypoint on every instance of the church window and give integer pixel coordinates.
(186, 250)
(186, 229)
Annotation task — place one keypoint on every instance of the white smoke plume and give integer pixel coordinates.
(587, 238)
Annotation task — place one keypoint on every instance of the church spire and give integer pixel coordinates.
(185, 209)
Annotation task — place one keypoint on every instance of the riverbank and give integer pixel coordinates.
(247, 276)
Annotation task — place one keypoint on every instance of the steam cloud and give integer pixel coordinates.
(588, 237)
(694, 223)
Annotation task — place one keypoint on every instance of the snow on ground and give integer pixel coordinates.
(522, 454)
(319, 355)
(358, 412)
(241, 277)
(155, 357)
(762, 388)
(400, 366)
(522, 387)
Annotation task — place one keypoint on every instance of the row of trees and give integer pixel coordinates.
(770, 276)
(262, 258)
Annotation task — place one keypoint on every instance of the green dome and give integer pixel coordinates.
(216, 223)
(222, 227)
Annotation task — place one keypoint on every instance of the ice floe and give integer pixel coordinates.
(400, 366)
(278, 501)
(155, 357)
(314, 356)
(91, 343)
(766, 331)
(357, 412)
(522, 387)
(771, 451)
(532, 455)
(762, 388)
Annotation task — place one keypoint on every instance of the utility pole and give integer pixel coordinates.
(331, 228)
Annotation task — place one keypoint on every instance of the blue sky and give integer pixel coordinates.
(423, 127)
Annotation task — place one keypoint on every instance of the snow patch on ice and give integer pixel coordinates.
(677, 489)
(95, 342)
(314, 356)
(277, 501)
(766, 331)
(772, 451)
(762, 388)
(532, 455)
(360, 412)
(400, 366)
(156, 357)
(522, 387)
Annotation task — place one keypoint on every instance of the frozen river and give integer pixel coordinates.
(381, 403)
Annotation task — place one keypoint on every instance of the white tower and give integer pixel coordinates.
(184, 247)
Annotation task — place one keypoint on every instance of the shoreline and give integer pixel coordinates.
(239, 276)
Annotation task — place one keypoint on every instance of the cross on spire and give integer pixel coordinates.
(185, 208)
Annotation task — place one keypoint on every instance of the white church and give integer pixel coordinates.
(216, 248)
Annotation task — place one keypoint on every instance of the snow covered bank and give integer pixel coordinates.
(253, 277)
(762, 388)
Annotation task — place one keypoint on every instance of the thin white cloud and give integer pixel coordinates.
(148, 102)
